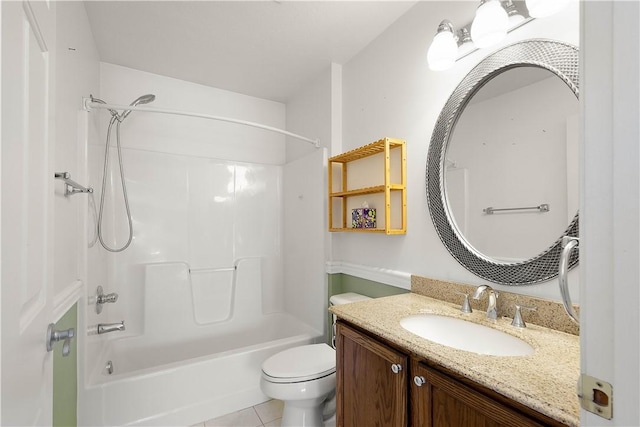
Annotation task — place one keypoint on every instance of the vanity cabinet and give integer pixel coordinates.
(376, 175)
(438, 400)
(370, 391)
(371, 381)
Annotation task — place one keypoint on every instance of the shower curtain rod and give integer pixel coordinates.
(88, 105)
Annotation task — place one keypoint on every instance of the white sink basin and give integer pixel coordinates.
(463, 335)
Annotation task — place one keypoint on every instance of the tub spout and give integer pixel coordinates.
(103, 328)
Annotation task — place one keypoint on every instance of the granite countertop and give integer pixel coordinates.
(544, 381)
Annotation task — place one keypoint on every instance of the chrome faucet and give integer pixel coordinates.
(103, 328)
(102, 298)
(492, 308)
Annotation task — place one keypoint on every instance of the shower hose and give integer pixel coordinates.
(114, 119)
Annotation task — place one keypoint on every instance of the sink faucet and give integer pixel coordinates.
(492, 312)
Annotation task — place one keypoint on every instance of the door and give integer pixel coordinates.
(610, 208)
(26, 189)
(371, 378)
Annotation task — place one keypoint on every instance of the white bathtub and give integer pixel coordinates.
(181, 383)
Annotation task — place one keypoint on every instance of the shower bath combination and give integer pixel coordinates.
(200, 298)
(116, 118)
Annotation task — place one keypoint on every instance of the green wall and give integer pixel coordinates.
(341, 283)
(65, 375)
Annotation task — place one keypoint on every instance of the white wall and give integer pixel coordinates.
(304, 233)
(77, 75)
(308, 113)
(388, 90)
(189, 135)
(77, 69)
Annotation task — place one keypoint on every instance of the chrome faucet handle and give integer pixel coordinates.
(517, 321)
(102, 298)
(466, 307)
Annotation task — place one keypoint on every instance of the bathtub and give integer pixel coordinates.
(181, 383)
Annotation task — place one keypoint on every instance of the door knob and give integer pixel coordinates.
(54, 336)
(419, 381)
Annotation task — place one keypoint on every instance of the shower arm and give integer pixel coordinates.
(89, 104)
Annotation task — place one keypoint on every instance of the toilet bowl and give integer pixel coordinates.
(304, 378)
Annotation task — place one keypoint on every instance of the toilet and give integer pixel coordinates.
(304, 378)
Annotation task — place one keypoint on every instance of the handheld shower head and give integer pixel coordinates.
(144, 99)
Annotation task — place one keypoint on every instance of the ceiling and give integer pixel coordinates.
(268, 49)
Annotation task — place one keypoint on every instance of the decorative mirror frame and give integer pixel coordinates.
(557, 57)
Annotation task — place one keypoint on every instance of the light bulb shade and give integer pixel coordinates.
(443, 51)
(490, 24)
(544, 8)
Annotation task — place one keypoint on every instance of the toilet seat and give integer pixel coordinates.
(298, 364)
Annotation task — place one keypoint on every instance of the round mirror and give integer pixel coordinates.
(511, 171)
(502, 174)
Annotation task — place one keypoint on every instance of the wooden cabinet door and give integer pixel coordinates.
(441, 401)
(371, 386)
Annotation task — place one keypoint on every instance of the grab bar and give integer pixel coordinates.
(542, 208)
(212, 269)
(71, 187)
(568, 243)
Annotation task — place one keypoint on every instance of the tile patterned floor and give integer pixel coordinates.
(267, 414)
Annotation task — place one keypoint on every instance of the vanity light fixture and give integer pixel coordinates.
(490, 25)
(448, 46)
(493, 20)
(443, 51)
(515, 17)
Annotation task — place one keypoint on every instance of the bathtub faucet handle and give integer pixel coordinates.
(102, 298)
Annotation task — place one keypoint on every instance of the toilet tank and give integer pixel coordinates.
(338, 299)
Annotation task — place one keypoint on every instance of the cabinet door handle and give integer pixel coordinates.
(419, 380)
(396, 368)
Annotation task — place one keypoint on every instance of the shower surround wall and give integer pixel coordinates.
(192, 213)
(206, 262)
(201, 192)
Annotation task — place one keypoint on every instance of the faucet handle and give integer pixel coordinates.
(466, 307)
(102, 298)
(517, 317)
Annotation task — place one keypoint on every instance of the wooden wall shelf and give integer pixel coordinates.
(378, 169)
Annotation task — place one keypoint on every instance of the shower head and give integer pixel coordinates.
(144, 99)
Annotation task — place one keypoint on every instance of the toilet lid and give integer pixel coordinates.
(302, 363)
